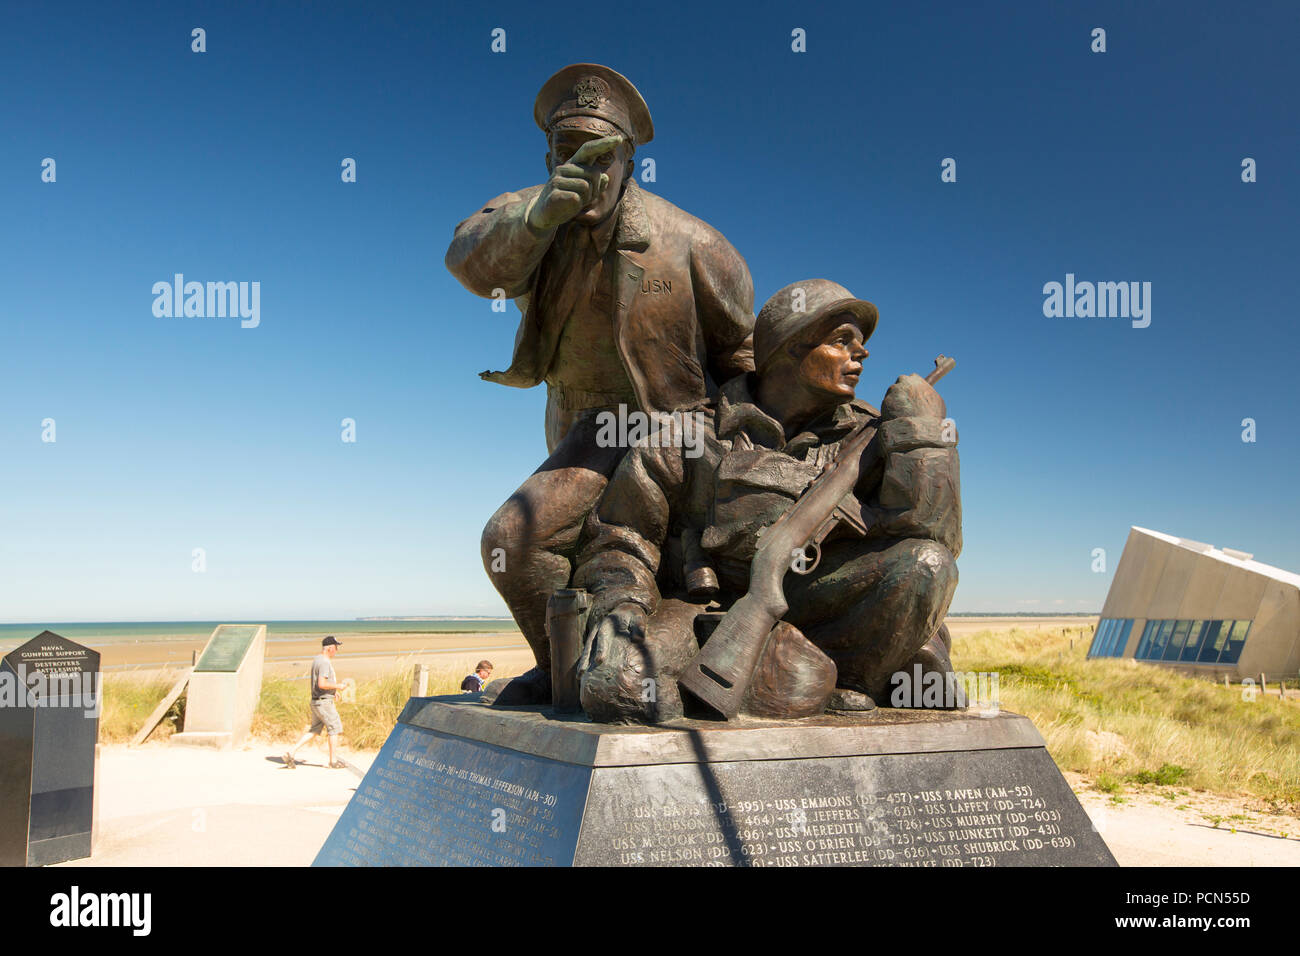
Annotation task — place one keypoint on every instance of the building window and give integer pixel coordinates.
(1144, 644)
(1232, 649)
(1161, 639)
(1212, 642)
(1175, 646)
(1192, 642)
(1112, 637)
(1121, 639)
(1099, 639)
(1193, 645)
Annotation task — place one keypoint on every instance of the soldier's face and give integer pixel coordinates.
(616, 164)
(833, 363)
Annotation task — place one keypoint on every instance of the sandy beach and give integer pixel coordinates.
(366, 655)
(363, 656)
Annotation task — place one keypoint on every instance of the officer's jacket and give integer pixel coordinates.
(683, 297)
(742, 474)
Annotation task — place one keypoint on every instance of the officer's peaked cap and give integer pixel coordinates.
(588, 89)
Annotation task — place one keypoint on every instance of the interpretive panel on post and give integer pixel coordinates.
(431, 799)
(227, 648)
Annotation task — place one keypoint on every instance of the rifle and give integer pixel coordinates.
(720, 673)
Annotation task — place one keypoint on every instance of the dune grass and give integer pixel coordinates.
(129, 698)
(283, 714)
(1122, 724)
(1127, 724)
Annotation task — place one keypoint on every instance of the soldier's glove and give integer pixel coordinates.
(574, 184)
(919, 492)
(912, 397)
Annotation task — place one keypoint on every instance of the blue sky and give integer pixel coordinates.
(181, 433)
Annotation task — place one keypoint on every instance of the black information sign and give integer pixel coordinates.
(49, 724)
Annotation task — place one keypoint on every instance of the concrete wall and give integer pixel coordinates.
(1139, 570)
(1276, 619)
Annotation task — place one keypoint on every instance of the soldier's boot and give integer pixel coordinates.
(846, 700)
(794, 677)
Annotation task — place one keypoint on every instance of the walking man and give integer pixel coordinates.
(324, 715)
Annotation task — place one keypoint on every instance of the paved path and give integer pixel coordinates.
(167, 805)
(1152, 835)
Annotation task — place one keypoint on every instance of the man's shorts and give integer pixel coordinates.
(325, 716)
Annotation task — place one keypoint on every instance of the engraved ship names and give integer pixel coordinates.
(977, 826)
(464, 814)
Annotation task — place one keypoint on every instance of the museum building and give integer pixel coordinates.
(1201, 609)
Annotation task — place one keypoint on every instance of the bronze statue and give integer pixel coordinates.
(873, 597)
(628, 303)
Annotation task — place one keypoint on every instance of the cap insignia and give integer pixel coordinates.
(590, 91)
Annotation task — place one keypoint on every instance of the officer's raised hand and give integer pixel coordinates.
(576, 182)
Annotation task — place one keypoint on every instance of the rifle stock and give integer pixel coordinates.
(720, 674)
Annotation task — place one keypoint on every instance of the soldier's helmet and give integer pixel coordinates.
(800, 306)
(589, 89)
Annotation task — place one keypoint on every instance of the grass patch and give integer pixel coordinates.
(129, 699)
(1167, 775)
(1108, 784)
(284, 713)
(1120, 718)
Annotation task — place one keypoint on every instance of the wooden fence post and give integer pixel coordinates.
(420, 681)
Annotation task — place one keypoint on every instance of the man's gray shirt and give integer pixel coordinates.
(322, 666)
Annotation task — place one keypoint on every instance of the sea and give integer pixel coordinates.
(135, 632)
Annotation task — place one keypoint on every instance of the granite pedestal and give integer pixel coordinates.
(459, 782)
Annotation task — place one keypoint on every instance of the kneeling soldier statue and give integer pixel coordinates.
(794, 474)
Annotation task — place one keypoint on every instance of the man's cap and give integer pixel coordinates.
(589, 89)
(331, 640)
(798, 307)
